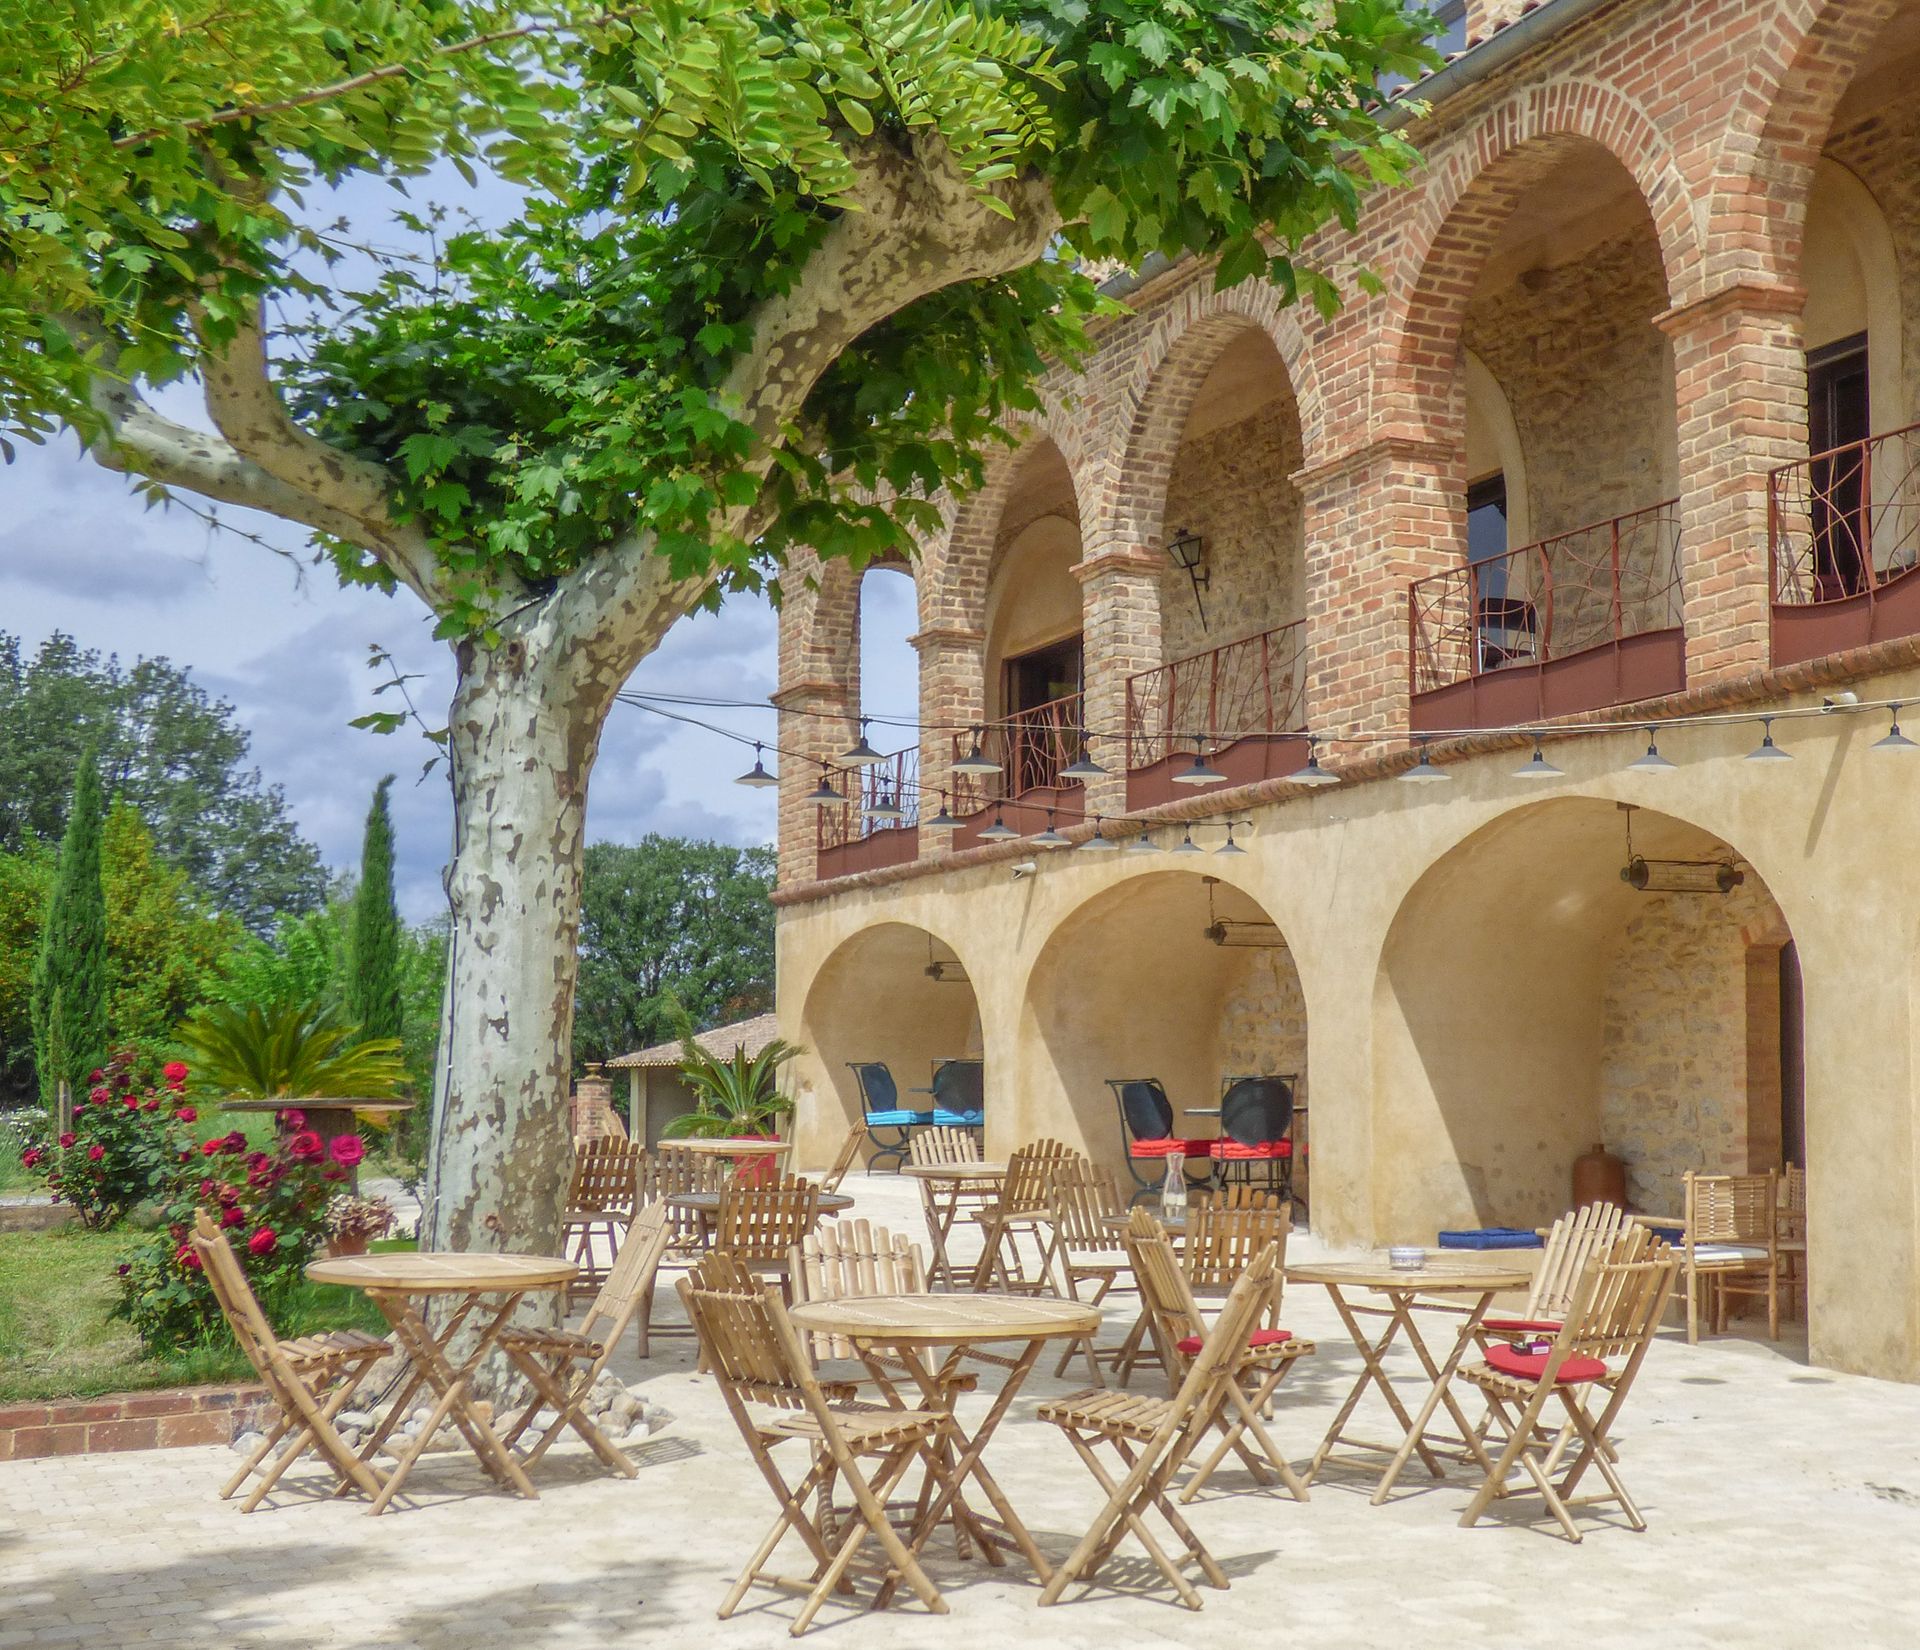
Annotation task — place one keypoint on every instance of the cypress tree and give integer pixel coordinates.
(68, 986)
(373, 943)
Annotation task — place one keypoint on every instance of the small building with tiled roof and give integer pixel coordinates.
(656, 1092)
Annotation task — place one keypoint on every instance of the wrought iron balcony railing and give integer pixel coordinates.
(892, 784)
(1239, 690)
(1845, 523)
(1033, 747)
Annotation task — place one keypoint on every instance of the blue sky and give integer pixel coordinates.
(287, 646)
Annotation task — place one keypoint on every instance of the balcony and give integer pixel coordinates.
(1033, 748)
(1245, 702)
(850, 840)
(1844, 531)
(1578, 622)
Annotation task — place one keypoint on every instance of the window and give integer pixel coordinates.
(1046, 674)
(1838, 417)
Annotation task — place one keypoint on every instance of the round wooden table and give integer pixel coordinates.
(1462, 1287)
(707, 1204)
(944, 1189)
(392, 1281)
(737, 1147)
(911, 1326)
(950, 1172)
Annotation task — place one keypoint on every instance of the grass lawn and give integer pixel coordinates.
(57, 1340)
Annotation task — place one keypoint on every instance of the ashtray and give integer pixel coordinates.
(1406, 1258)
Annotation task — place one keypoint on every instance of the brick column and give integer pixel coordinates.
(1120, 596)
(1740, 387)
(953, 688)
(1378, 516)
(818, 720)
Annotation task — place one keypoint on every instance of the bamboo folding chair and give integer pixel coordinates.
(1792, 1241)
(1082, 1247)
(754, 1353)
(309, 1378)
(563, 1364)
(943, 1201)
(1178, 1329)
(1733, 1242)
(600, 1202)
(848, 1258)
(843, 1160)
(1154, 1438)
(670, 1171)
(1615, 1311)
(760, 1226)
(1572, 1241)
(1022, 1200)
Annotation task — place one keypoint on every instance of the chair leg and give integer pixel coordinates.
(1693, 1308)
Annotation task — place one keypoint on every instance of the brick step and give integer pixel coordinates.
(169, 1418)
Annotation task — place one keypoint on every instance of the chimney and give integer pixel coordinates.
(590, 1113)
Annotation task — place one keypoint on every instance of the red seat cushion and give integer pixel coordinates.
(1530, 1366)
(1259, 1338)
(1520, 1326)
(1167, 1147)
(1265, 1151)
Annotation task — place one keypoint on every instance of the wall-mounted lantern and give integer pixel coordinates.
(1188, 552)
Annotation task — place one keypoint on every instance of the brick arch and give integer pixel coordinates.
(1796, 74)
(1469, 201)
(1185, 344)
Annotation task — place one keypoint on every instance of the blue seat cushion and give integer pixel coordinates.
(897, 1119)
(958, 1119)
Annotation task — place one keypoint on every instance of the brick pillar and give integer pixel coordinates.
(819, 699)
(1740, 386)
(1120, 597)
(1378, 517)
(953, 686)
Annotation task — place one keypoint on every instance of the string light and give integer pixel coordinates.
(1050, 838)
(757, 776)
(1230, 846)
(1186, 844)
(976, 760)
(1145, 845)
(1099, 842)
(1894, 739)
(1312, 773)
(1199, 773)
(862, 755)
(999, 830)
(1424, 772)
(1767, 750)
(943, 821)
(1539, 767)
(824, 795)
(1653, 761)
(1086, 768)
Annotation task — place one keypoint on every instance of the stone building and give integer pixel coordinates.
(1624, 442)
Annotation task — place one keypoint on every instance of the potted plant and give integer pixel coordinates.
(737, 1098)
(354, 1222)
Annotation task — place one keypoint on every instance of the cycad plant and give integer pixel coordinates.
(297, 1050)
(736, 1096)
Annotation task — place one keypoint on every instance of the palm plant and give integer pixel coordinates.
(736, 1096)
(296, 1050)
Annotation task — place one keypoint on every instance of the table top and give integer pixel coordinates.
(708, 1203)
(313, 1103)
(955, 1171)
(1175, 1227)
(738, 1148)
(437, 1273)
(1439, 1275)
(945, 1320)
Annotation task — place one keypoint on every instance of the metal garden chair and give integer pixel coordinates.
(881, 1109)
(1146, 1126)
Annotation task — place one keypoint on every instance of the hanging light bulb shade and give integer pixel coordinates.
(1050, 838)
(1767, 750)
(757, 775)
(1653, 761)
(1200, 773)
(999, 830)
(1894, 739)
(1538, 768)
(1144, 844)
(862, 755)
(1312, 773)
(943, 821)
(823, 794)
(1424, 772)
(1230, 846)
(1186, 844)
(1086, 768)
(883, 809)
(976, 760)
(1099, 842)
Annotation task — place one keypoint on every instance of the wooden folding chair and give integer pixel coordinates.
(309, 1378)
(670, 1170)
(1154, 1438)
(1226, 1232)
(1178, 1329)
(760, 1226)
(943, 1201)
(1572, 1241)
(1733, 1243)
(1614, 1314)
(754, 1354)
(843, 1160)
(1022, 1200)
(600, 1202)
(1791, 1225)
(1082, 1247)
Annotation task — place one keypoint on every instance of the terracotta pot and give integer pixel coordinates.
(1599, 1177)
(757, 1171)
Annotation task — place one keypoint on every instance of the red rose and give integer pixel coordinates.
(229, 1195)
(123, 1269)
(210, 1148)
(293, 1118)
(258, 1160)
(132, 1102)
(206, 1188)
(188, 1257)
(232, 1217)
(95, 1153)
(346, 1149)
(99, 1096)
(306, 1147)
(175, 1072)
(335, 1174)
(262, 1241)
(186, 1114)
(68, 1138)
(96, 1075)
(31, 1156)
(151, 1104)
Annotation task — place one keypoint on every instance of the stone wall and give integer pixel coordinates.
(1263, 1021)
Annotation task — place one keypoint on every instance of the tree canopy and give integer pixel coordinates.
(165, 746)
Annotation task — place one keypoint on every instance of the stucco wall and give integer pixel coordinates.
(1881, 151)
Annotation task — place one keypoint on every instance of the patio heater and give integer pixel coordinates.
(1677, 876)
(1240, 933)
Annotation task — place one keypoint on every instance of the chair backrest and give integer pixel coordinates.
(1571, 1241)
(762, 1223)
(844, 1159)
(878, 1090)
(746, 1340)
(1732, 1208)
(847, 1258)
(1028, 1187)
(960, 1085)
(1793, 1201)
(1619, 1299)
(634, 1268)
(1165, 1295)
(672, 1168)
(1085, 1201)
(1144, 1107)
(943, 1145)
(1223, 1348)
(1240, 1195)
(1223, 1238)
(605, 1175)
(1256, 1110)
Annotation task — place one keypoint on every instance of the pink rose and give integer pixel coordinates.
(132, 1102)
(95, 1153)
(186, 1114)
(31, 1156)
(262, 1241)
(293, 1118)
(68, 1138)
(100, 1096)
(306, 1147)
(346, 1150)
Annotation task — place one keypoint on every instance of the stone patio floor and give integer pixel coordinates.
(1784, 1505)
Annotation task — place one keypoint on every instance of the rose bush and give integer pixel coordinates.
(272, 1205)
(125, 1144)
